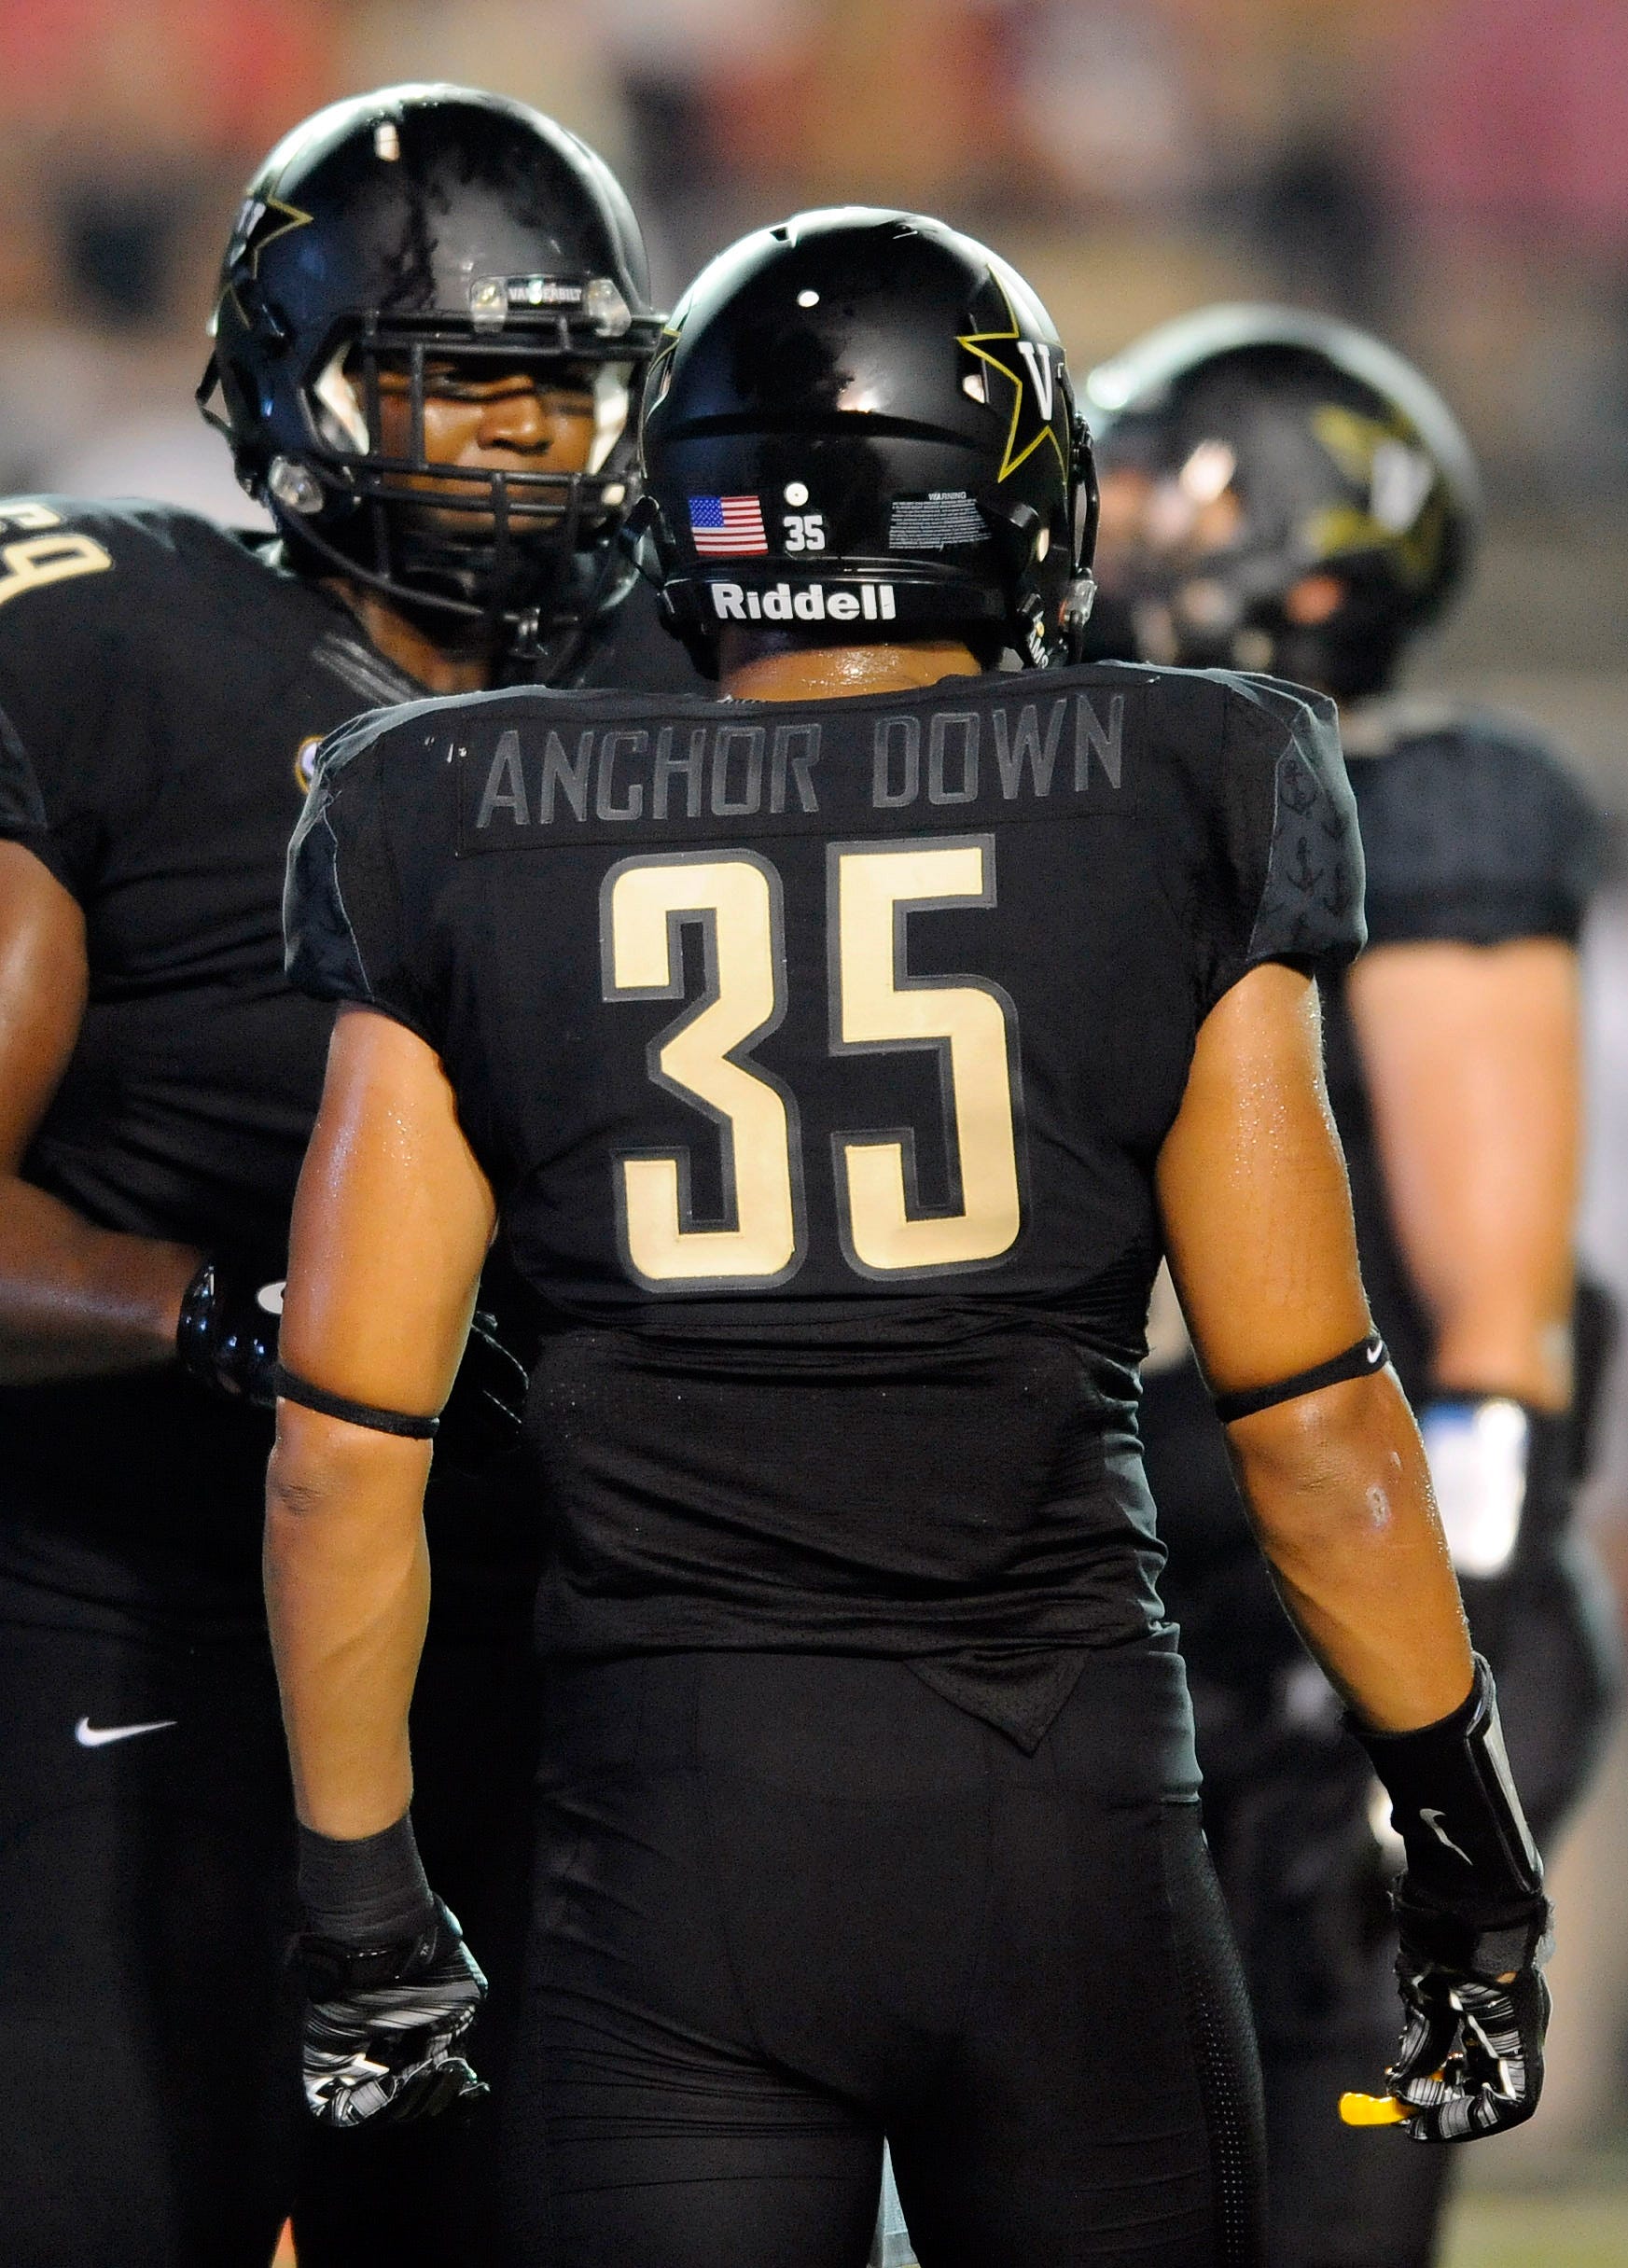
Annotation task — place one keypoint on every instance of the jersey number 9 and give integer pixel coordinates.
(875, 1009)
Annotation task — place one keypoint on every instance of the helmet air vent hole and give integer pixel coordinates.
(972, 385)
(387, 142)
(808, 298)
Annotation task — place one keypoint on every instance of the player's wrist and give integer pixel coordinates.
(1491, 1948)
(366, 1891)
(1470, 1854)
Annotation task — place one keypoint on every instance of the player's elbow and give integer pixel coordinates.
(320, 1466)
(1329, 1469)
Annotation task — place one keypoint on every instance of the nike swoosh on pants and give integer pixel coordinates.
(97, 1736)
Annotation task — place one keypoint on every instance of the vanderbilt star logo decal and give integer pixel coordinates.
(1028, 370)
(261, 221)
(1405, 512)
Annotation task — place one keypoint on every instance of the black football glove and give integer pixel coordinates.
(1473, 1926)
(481, 1421)
(227, 1337)
(1471, 2057)
(382, 2024)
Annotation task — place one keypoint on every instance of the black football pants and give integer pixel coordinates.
(786, 1904)
(150, 2109)
(149, 2043)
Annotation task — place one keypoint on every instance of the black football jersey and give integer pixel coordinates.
(820, 1056)
(165, 685)
(1473, 833)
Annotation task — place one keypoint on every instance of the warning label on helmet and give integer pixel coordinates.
(929, 524)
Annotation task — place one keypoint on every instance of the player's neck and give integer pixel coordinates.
(439, 668)
(766, 668)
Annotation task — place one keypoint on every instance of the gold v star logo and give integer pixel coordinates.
(1028, 369)
(260, 222)
(1405, 511)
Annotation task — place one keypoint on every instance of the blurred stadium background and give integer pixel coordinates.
(1453, 173)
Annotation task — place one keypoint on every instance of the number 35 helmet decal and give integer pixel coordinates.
(864, 419)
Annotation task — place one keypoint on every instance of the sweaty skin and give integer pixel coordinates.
(77, 1300)
(1258, 1229)
(1258, 1220)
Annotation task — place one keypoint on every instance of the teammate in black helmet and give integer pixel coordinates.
(433, 315)
(1283, 490)
(1289, 494)
(838, 1059)
(403, 267)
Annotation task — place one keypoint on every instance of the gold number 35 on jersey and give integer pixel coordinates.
(875, 1009)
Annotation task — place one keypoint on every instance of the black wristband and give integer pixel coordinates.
(290, 1386)
(368, 1891)
(1361, 1360)
(1454, 1804)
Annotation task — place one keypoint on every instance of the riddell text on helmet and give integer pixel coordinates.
(867, 603)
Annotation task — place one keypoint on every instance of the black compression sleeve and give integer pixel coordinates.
(366, 1891)
(290, 1386)
(1359, 1361)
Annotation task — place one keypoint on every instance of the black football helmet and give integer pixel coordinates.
(410, 225)
(860, 425)
(1338, 458)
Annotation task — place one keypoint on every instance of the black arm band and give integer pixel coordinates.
(1454, 1806)
(290, 1386)
(1359, 1361)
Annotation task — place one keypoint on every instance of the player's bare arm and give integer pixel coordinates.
(77, 1301)
(1473, 1056)
(380, 1322)
(1258, 1220)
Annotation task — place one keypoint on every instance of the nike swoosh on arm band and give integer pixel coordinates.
(1362, 1360)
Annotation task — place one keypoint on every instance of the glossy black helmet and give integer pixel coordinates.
(860, 425)
(1330, 454)
(414, 224)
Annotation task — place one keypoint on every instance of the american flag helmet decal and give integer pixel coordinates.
(726, 527)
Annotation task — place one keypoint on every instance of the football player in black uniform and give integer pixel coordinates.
(839, 1059)
(432, 312)
(1283, 492)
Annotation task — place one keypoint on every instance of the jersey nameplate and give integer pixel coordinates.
(532, 786)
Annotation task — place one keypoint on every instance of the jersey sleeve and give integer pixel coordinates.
(1292, 889)
(1475, 834)
(346, 929)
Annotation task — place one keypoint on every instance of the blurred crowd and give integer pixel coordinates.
(1454, 171)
